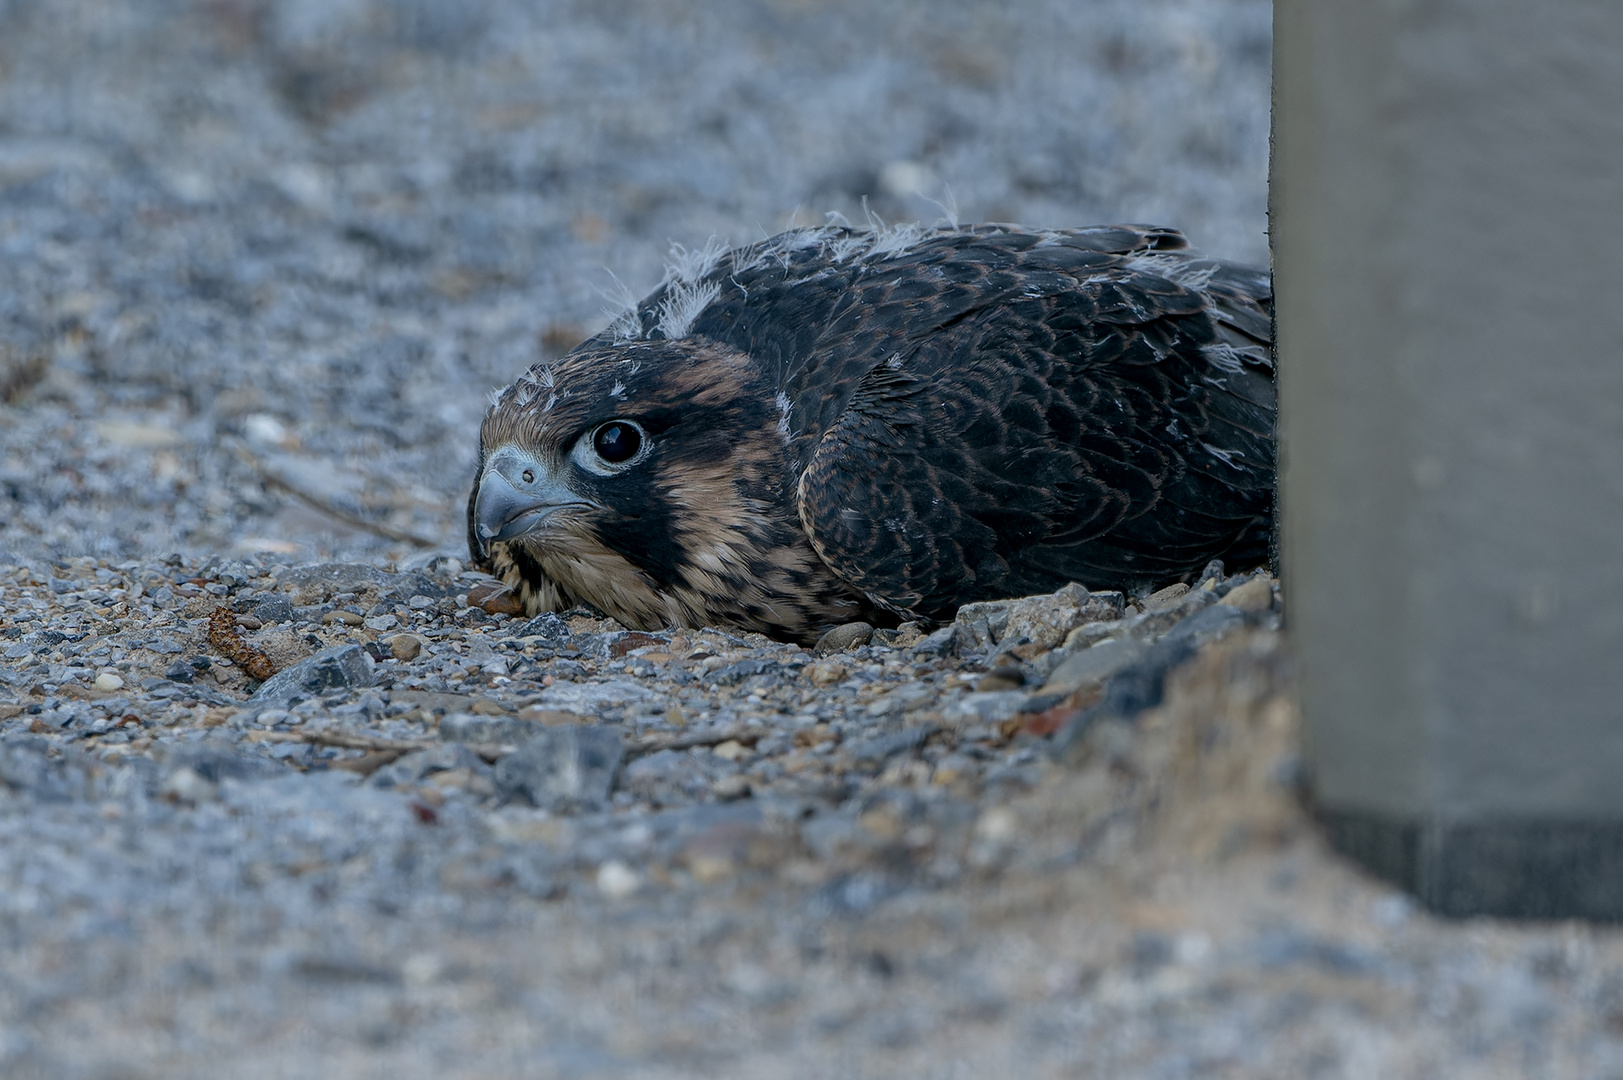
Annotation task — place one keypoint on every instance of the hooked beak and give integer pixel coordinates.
(515, 494)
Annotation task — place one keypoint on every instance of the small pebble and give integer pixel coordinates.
(1163, 599)
(348, 618)
(825, 673)
(405, 647)
(109, 682)
(1255, 595)
(848, 636)
(731, 750)
(1002, 678)
(616, 880)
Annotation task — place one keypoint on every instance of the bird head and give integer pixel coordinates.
(644, 478)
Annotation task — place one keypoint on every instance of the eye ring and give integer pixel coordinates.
(529, 476)
(612, 447)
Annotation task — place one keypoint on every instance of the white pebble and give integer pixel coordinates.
(109, 682)
(616, 880)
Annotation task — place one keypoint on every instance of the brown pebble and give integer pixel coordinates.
(1002, 678)
(487, 707)
(848, 636)
(908, 634)
(494, 598)
(248, 622)
(348, 618)
(825, 673)
(1162, 599)
(814, 735)
(405, 647)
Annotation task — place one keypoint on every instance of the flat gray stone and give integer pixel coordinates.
(353, 577)
(563, 769)
(1092, 666)
(588, 698)
(342, 667)
(880, 748)
(474, 728)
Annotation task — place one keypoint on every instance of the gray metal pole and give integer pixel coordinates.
(1447, 223)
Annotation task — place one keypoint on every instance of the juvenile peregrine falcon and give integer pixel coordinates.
(836, 424)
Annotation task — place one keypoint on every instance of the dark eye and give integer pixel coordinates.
(617, 441)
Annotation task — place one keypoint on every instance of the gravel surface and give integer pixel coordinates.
(284, 792)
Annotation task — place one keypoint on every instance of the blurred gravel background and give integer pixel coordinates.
(260, 265)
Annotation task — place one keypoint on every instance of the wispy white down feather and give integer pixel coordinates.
(785, 407)
(1225, 456)
(624, 322)
(683, 303)
(689, 266)
(889, 240)
(1176, 268)
(1222, 357)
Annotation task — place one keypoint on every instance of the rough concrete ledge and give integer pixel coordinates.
(1512, 869)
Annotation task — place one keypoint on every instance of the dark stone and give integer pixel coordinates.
(1132, 689)
(563, 768)
(668, 776)
(549, 627)
(1288, 947)
(412, 768)
(733, 674)
(940, 642)
(1150, 952)
(1516, 869)
(850, 896)
(1207, 624)
(273, 608)
(880, 748)
(343, 667)
(1142, 685)
(26, 764)
(179, 671)
(218, 759)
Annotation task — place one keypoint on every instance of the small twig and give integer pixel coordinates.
(316, 502)
(343, 741)
(654, 743)
(369, 762)
(374, 744)
(491, 751)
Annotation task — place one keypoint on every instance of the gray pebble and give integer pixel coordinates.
(563, 768)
